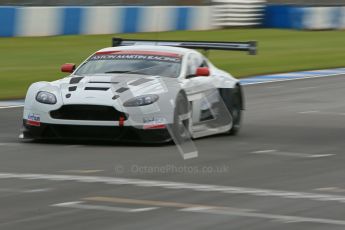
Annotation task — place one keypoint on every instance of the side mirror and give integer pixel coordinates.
(68, 68)
(202, 71)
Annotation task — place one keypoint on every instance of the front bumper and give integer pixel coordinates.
(92, 132)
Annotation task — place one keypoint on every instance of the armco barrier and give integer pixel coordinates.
(47, 21)
(297, 17)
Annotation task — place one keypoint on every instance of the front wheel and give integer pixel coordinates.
(233, 101)
(181, 125)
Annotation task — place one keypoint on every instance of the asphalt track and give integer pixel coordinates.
(285, 170)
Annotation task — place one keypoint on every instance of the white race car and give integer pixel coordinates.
(141, 91)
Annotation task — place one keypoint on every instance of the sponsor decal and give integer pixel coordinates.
(34, 117)
(34, 120)
(161, 58)
(154, 123)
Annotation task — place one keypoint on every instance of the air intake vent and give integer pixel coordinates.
(88, 112)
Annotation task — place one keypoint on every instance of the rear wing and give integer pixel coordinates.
(249, 46)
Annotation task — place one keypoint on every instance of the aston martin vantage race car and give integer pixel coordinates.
(141, 91)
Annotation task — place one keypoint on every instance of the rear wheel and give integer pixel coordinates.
(233, 101)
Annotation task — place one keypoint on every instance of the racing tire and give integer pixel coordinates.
(233, 101)
(181, 127)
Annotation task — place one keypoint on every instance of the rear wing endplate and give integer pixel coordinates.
(249, 46)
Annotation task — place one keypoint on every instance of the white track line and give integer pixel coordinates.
(309, 111)
(323, 113)
(290, 154)
(10, 144)
(286, 79)
(11, 106)
(80, 205)
(331, 189)
(15, 190)
(178, 185)
(281, 218)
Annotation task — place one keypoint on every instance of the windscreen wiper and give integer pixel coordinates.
(127, 72)
(117, 71)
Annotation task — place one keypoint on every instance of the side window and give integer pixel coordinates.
(194, 61)
(204, 63)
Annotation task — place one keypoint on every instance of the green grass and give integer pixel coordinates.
(27, 60)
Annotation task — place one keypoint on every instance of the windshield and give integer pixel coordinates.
(147, 63)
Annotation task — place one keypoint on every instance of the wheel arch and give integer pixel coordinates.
(184, 94)
(242, 100)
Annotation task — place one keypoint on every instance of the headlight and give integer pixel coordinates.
(141, 100)
(46, 98)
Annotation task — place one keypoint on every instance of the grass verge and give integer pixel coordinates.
(30, 59)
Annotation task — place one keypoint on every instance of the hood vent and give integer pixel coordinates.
(122, 89)
(97, 88)
(73, 88)
(140, 81)
(104, 82)
(75, 80)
